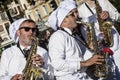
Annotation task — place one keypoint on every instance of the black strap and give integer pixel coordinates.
(74, 36)
(25, 53)
(89, 9)
(78, 32)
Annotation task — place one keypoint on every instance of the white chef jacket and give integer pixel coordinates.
(106, 6)
(13, 61)
(89, 17)
(65, 54)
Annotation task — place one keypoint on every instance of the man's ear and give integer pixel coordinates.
(18, 32)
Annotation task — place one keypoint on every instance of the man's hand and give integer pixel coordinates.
(104, 15)
(17, 77)
(96, 59)
(38, 60)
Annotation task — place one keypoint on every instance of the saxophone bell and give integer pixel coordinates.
(108, 38)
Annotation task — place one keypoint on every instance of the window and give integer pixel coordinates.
(3, 16)
(15, 10)
(16, 1)
(25, 6)
(19, 9)
(29, 16)
(45, 10)
(38, 14)
(1, 28)
(7, 26)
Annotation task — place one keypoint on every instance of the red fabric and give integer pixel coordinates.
(107, 50)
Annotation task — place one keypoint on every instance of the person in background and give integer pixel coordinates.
(109, 13)
(13, 59)
(45, 37)
(65, 53)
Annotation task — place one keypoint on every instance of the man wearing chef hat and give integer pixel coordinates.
(13, 59)
(64, 51)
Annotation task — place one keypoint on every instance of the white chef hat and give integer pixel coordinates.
(52, 20)
(14, 27)
(57, 16)
(62, 13)
(70, 4)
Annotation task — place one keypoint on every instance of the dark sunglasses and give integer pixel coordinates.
(28, 29)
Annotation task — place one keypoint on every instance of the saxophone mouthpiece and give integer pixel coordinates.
(78, 22)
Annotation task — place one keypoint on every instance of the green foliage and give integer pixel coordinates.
(116, 3)
(117, 26)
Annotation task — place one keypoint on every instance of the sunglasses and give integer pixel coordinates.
(28, 29)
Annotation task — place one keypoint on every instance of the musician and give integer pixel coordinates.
(64, 51)
(109, 12)
(13, 59)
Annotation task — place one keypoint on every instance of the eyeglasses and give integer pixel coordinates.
(28, 29)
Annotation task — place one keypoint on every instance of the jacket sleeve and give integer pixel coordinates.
(57, 54)
(3, 67)
(113, 12)
(116, 37)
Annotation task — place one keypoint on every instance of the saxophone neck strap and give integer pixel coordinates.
(24, 52)
(89, 8)
(74, 36)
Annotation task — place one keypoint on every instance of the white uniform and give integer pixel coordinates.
(13, 61)
(106, 6)
(89, 17)
(66, 55)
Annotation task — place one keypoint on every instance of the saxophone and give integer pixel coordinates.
(88, 31)
(31, 71)
(100, 71)
(105, 27)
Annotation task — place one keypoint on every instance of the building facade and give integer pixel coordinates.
(38, 10)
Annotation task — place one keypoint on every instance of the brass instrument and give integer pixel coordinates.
(88, 31)
(100, 71)
(105, 27)
(31, 71)
(108, 38)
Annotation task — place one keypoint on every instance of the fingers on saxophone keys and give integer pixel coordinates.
(99, 59)
(37, 59)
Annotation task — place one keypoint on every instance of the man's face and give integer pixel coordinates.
(25, 32)
(71, 20)
(75, 12)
